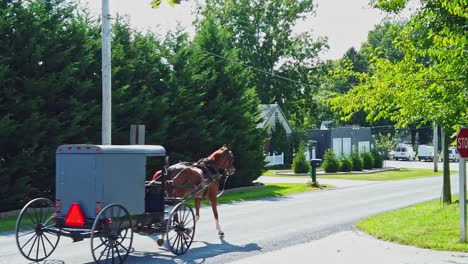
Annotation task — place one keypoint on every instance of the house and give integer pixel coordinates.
(341, 139)
(269, 114)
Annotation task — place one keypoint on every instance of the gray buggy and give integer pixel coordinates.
(101, 194)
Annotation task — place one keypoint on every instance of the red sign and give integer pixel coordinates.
(462, 142)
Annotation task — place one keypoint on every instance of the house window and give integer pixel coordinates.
(276, 117)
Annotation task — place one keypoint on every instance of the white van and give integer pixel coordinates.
(404, 152)
(453, 154)
(425, 153)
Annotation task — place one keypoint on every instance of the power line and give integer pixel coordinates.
(256, 69)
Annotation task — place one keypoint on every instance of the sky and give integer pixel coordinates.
(345, 22)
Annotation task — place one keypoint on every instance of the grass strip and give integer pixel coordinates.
(427, 225)
(378, 176)
(267, 191)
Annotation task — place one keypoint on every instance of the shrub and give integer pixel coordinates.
(368, 160)
(346, 164)
(300, 164)
(378, 158)
(358, 162)
(330, 161)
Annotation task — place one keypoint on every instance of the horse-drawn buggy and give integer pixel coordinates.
(101, 194)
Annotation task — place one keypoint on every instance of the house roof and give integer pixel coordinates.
(267, 112)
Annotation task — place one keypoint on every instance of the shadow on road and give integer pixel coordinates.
(197, 254)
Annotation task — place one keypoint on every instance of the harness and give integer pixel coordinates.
(210, 173)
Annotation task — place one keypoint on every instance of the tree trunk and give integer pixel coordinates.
(447, 195)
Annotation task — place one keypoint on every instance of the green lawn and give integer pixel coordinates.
(379, 176)
(427, 225)
(8, 223)
(269, 190)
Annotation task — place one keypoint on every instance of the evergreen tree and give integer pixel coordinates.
(47, 92)
(229, 104)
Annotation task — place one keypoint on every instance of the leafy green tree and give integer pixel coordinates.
(385, 143)
(157, 3)
(281, 63)
(431, 74)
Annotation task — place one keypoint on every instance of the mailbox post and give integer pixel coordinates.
(314, 163)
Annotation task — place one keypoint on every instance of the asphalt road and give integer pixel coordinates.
(266, 225)
(419, 164)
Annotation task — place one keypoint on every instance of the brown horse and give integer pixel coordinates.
(183, 178)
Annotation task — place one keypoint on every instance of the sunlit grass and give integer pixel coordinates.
(378, 176)
(269, 190)
(427, 225)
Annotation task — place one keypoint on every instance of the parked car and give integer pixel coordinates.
(404, 152)
(425, 153)
(453, 154)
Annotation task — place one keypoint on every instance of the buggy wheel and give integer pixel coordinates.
(180, 229)
(36, 233)
(112, 235)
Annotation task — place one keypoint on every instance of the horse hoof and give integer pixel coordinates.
(160, 242)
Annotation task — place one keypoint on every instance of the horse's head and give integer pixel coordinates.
(224, 159)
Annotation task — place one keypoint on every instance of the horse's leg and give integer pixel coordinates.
(197, 208)
(212, 196)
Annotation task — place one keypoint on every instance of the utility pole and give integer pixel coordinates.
(436, 147)
(106, 75)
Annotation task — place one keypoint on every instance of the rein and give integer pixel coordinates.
(224, 185)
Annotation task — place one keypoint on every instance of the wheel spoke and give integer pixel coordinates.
(108, 252)
(30, 250)
(185, 240)
(181, 243)
(28, 233)
(28, 241)
(100, 245)
(36, 216)
(178, 243)
(50, 232)
(118, 254)
(170, 238)
(112, 247)
(38, 246)
(43, 247)
(48, 241)
(48, 220)
(30, 215)
(102, 254)
(120, 244)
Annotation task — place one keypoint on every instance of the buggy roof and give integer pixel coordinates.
(147, 150)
